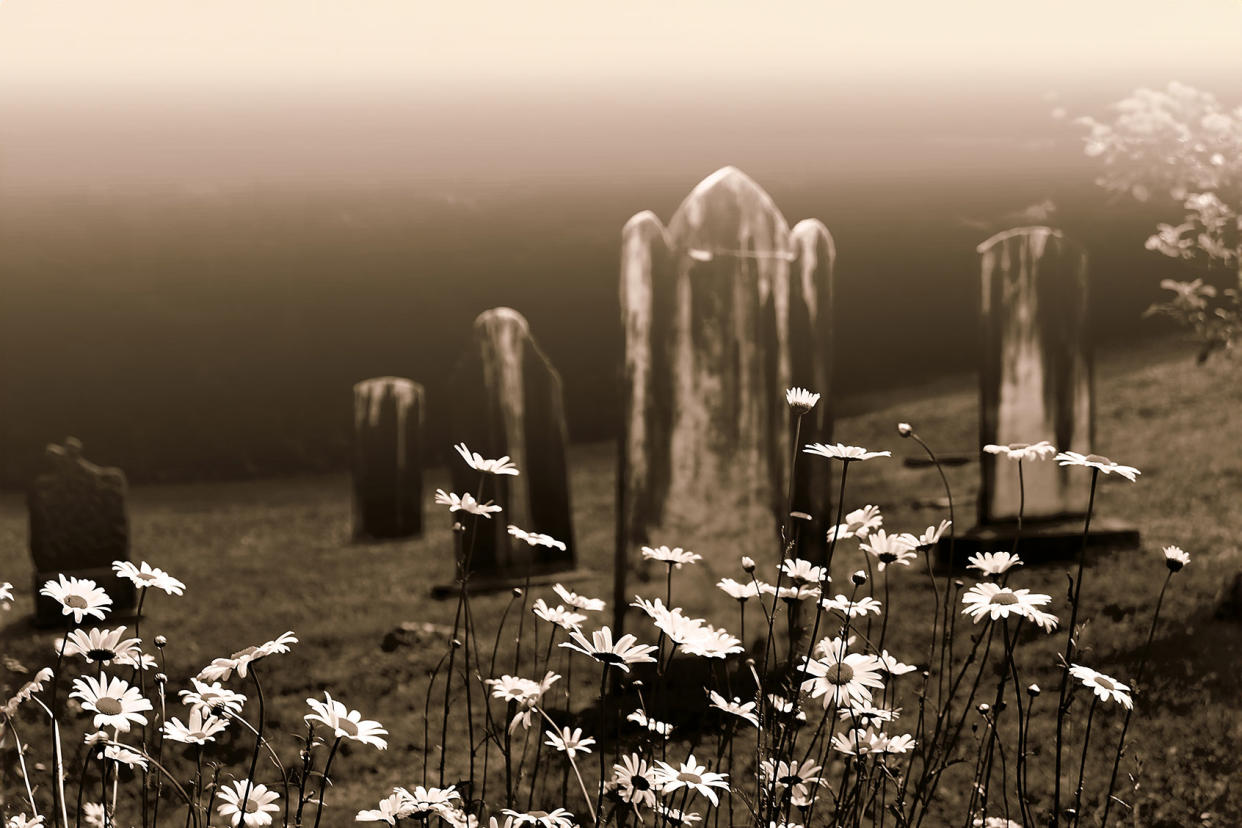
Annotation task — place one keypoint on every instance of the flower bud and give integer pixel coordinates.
(905, 429)
(748, 563)
(859, 578)
(517, 592)
(1033, 690)
(161, 678)
(160, 641)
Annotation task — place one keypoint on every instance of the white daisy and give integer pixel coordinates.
(536, 538)
(26, 691)
(736, 707)
(569, 742)
(930, 537)
(636, 781)
(797, 778)
(621, 653)
(213, 698)
(800, 399)
(6, 596)
(22, 821)
(845, 680)
(852, 608)
(422, 802)
(221, 668)
(346, 723)
(475, 461)
(147, 576)
(892, 666)
(858, 524)
(672, 816)
(559, 818)
(391, 809)
(737, 590)
(1105, 687)
(1023, 451)
(197, 731)
(804, 571)
(640, 718)
(797, 592)
(994, 563)
(674, 557)
(1175, 558)
(113, 701)
(78, 597)
(693, 776)
(253, 808)
(889, 549)
(466, 503)
(1096, 461)
(559, 616)
(97, 646)
(865, 714)
(996, 602)
(578, 601)
(124, 756)
(842, 452)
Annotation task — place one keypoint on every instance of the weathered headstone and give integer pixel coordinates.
(78, 527)
(388, 458)
(721, 313)
(506, 400)
(1035, 376)
(1035, 384)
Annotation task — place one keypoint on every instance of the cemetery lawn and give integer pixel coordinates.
(267, 556)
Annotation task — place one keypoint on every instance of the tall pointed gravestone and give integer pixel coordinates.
(721, 312)
(79, 525)
(388, 458)
(1035, 384)
(506, 400)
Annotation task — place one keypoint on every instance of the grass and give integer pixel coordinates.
(263, 557)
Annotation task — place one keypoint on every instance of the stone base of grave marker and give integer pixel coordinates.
(78, 527)
(1056, 540)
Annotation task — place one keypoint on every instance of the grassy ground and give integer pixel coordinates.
(263, 557)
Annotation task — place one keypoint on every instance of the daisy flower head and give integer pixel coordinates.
(422, 802)
(672, 816)
(1175, 558)
(78, 597)
(930, 537)
(800, 400)
(995, 822)
(221, 668)
(569, 742)
(736, 707)
(797, 592)
(26, 691)
(852, 608)
(858, 742)
(889, 549)
(858, 524)
(997, 602)
(903, 743)
(250, 808)
(559, 818)
(803, 571)
(867, 715)
(97, 646)
(1099, 463)
(843, 681)
(622, 653)
(212, 698)
(147, 576)
(466, 503)
(475, 461)
(905, 429)
(390, 809)
(6, 596)
(692, 776)
(557, 615)
(536, 538)
(640, 718)
(842, 452)
(113, 701)
(92, 814)
(892, 666)
(737, 590)
(197, 730)
(137, 659)
(1023, 451)
(674, 557)
(345, 723)
(577, 601)
(22, 821)
(797, 778)
(636, 781)
(1105, 687)
(124, 756)
(711, 642)
(993, 563)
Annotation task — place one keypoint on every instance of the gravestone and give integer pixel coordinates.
(1035, 383)
(721, 312)
(388, 458)
(78, 527)
(1035, 378)
(506, 400)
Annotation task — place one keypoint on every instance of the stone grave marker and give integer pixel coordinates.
(388, 458)
(721, 312)
(506, 400)
(78, 527)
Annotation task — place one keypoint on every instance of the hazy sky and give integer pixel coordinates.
(159, 89)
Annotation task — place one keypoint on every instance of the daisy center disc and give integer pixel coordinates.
(1004, 598)
(146, 576)
(844, 674)
(347, 727)
(100, 654)
(1096, 458)
(640, 783)
(690, 778)
(1105, 683)
(610, 658)
(109, 706)
(76, 602)
(251, 805)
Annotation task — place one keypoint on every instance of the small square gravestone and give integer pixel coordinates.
(388, 458)
(78, 527)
